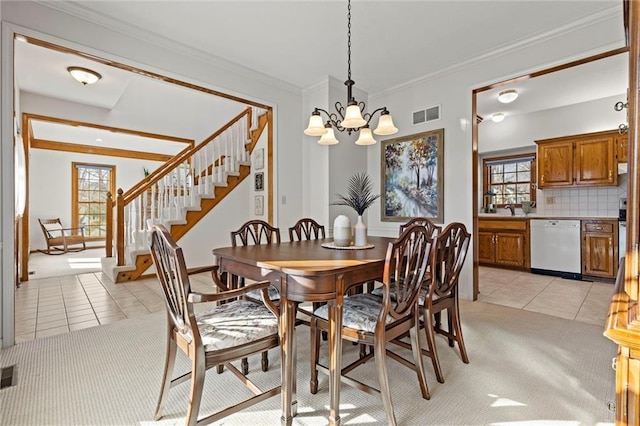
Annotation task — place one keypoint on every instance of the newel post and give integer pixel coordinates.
(109, 220)
(120, 228)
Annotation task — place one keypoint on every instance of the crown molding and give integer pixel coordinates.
(523, 43)
(119, 26)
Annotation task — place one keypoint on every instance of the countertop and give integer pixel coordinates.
(537, 216)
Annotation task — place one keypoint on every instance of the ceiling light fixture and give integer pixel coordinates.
(508, 96)
(350, 119)
(84, 75)
(497, 117)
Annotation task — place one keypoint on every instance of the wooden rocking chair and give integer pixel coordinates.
(59, 239)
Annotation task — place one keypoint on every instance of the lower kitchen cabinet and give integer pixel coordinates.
(504, 242)
(600, 248)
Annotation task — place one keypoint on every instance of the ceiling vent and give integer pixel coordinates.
(426, 115)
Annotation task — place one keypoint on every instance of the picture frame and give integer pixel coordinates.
(258, 182)
(412, 177)
(258, 159)
(259, 205)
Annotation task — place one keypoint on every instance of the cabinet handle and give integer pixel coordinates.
(610, 174)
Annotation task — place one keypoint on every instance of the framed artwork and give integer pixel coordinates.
(258, 183)
(259, 205)
(413, 177)
(258, 159)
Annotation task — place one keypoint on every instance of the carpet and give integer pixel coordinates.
(526, 368)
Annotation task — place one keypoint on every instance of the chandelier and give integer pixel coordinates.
(350, 118)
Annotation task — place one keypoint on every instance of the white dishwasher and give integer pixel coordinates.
(556, 248)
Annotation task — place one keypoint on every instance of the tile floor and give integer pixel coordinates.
(56, 305)
(584, 301)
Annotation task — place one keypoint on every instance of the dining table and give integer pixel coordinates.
(307, 271)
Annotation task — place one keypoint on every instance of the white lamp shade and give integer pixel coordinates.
(385, 126)
(365, 138)
(328, 138)
(84, 75)
(353, 118)
(507, 96)
(316, 126)
(497, 117)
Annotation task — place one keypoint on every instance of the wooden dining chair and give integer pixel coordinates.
(255, 232)
(306, 229)
(375, 321)
(218, 335)
(432, 228)
(447, 258)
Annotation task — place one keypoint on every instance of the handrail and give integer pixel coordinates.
(163, 170)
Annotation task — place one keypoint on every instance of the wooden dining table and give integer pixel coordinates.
(305, 271)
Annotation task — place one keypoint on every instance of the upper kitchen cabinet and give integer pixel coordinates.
(621, 147)
(580, 160)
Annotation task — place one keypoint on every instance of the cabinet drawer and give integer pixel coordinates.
(505, 224)
(598, 227)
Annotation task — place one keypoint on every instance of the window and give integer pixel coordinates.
(511, 178)
(90, 184)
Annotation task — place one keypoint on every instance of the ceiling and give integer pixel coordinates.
(301, 43)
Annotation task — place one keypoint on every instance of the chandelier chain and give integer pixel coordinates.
(349, 40)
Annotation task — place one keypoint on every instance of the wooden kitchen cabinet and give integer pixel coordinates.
(579, 160)
(503, 242)
(622, 149)
(600, 248)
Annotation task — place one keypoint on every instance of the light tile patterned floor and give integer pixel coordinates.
(585, 301)
(56, 305)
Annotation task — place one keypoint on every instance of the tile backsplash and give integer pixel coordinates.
(594, 201)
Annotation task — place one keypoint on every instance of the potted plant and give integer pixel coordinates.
(359, 197)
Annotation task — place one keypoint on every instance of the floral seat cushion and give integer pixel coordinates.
(360, 312)
(235, 323)
(424, 292)
(273, 292)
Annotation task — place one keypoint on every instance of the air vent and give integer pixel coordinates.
(7, 376)
(426, 115)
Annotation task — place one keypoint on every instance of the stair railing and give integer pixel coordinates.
(167, 193)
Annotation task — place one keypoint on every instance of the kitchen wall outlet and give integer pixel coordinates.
(551, 200)
(284, 200)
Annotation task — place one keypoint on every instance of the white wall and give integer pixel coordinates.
(50, 184)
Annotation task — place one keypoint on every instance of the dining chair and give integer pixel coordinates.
(375, 321)
(255, 232)
(218, 335)
(447, 258)
(306, 229)
(432, 228)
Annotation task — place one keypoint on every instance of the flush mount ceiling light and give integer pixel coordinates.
(84, 75)
(497, 117)
(350, 119)
(508, 96)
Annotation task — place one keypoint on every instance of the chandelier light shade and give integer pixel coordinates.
(84, 75)
(352, 118)
(508, 96)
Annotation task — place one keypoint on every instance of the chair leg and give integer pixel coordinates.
(315, 352)
(169, 362)
(458, 332)
(450, 324)
(197, 384)
(414, 335)
(383, 378)
(265, 361)
(431, 344)
(245, 366)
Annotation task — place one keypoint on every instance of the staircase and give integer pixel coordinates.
(179, 193)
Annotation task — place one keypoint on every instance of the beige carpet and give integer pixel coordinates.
(526, 368)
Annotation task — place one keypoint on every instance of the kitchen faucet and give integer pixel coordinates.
(510, 207)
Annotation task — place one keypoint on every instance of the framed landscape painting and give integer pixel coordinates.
(412, 177)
